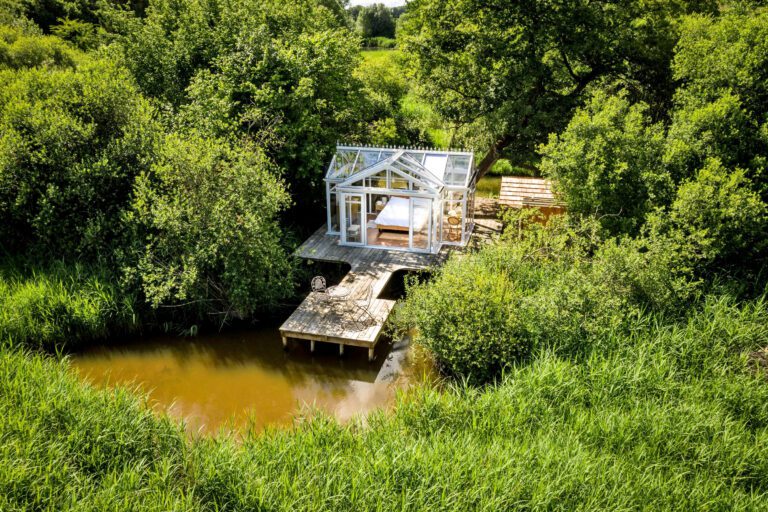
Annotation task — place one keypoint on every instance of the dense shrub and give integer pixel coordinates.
(489, 310)
(207, 234)
(716, 226)
(72, 142)
(20, 49)
(86, 172)
(720, 106)
(279, 73)
(608, 162)
(468, 320)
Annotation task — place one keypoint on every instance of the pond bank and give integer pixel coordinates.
(244, 378)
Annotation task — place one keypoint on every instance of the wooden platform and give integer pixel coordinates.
(516, 191)
(339, 321)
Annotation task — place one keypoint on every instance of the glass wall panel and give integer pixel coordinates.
(378, 180)
(334, 211)
(366, 159)
(421, 215)
(353, 218)
(452, 215)
(457, 170)
(342, 163)
(398, 182)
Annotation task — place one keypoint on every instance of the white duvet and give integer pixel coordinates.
(395, 213)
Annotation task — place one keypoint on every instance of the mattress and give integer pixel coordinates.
(396, 213)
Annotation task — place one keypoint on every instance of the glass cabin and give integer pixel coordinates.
(401, 199)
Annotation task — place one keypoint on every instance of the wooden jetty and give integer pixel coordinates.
(339, 321)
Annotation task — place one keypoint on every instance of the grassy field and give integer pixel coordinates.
(379, 56)
(488, 186)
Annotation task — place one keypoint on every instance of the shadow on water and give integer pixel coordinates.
(245, 377)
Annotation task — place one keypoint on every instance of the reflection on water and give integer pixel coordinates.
(246, 376)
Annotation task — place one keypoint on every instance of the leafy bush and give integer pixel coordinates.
(72, 143)
(719, 108)
(490, 310)
(207, 232)
(608, 162)
(19, 49)
(275, 72)
(467, 319)
(715, 226)
(62, 305)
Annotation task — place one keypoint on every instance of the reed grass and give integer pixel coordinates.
(56, 304)
(663, 416)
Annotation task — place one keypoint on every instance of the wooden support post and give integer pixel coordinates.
(370, 354)
(285, 342)
(341, 349)
(312, 346)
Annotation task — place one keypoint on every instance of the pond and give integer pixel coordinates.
(244, 378)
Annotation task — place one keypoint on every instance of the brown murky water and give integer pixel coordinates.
(241, 378)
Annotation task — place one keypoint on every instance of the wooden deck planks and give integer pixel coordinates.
(317, 319)
(515, 190)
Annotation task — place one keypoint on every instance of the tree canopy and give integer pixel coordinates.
(513, 72)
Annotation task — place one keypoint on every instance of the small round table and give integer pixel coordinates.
(338, 292)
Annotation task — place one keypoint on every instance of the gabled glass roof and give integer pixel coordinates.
(449, 168)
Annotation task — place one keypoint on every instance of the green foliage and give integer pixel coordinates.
(211, 239)
(82, 34)
(384, 87)
(20, 49)
(608, 162)
(715, 226)
(537, 291)
(274, 72)
(503, 167)
(468, 319)
(512, 73)
(721, 105)
(71, 144)
(61, 305)
(375, 21)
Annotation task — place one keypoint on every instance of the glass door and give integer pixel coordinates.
(420, 231)
(352, 219)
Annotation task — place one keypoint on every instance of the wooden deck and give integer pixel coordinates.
(339, 321)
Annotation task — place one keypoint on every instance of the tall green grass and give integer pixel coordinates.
(59, 303)
(660, 416)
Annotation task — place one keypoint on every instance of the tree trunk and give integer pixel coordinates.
(493, 154)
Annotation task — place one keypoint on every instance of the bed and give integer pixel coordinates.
(394, 216)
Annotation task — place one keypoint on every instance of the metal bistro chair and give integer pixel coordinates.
(332, 294)
(363, 306)
(318, 284)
